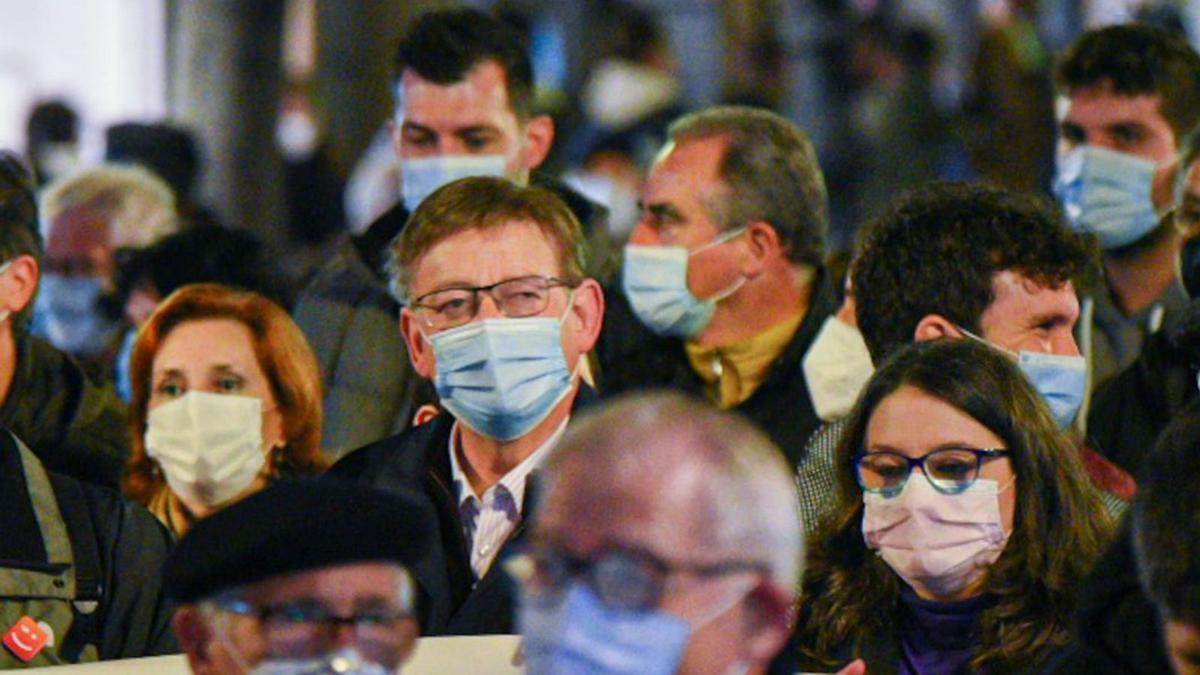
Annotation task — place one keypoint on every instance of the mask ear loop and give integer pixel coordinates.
(735, 286)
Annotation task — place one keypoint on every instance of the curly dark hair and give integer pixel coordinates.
(1166, 520)
(1060, 526)
(1138, 59)
(936, 250)
(444, 46)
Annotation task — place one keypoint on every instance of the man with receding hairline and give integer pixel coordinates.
(723, 279)
(680, 556)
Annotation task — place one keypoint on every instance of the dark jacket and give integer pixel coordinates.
(1129, 411)
(353, 324)
(79, 552)
(418, 461)
(882, 654)
(632, 358)
(75, 426)
(1118, 624)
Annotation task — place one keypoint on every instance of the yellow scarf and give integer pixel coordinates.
(733, 372)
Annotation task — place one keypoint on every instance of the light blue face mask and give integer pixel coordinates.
(67, 313)
(578, 634)
(1108, 194)
(422, 177)
(655, 281)
(1060, 379)
(502, 377)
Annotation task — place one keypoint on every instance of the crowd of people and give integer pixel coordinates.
(700, 449)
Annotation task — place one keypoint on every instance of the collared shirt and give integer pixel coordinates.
(1117, 339)
(489, 520)
(734, 372)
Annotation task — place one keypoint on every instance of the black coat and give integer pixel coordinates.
(632, 358)
(417, 461)
(118, 550)
(75, 426)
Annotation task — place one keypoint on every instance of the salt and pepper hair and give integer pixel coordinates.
(744, 495)
(770, 172)
(138, 206)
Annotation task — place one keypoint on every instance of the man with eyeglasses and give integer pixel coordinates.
(667, 542)
(464, 107)
(303, 577)
(498, 315)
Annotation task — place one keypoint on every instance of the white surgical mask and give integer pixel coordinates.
(655, 281)
(209, 446)
(836, 368)
(420, 178)
(936, 541)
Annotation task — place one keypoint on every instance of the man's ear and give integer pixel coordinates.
(586, 315)
(195, 638)
(420, 352)
(539, 136)
(19, 283)
(763, 245)
(934, 327)
(770, 611)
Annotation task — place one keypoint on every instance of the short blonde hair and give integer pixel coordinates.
(138, 206)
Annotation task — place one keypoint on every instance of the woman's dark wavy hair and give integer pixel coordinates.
(1059, 529)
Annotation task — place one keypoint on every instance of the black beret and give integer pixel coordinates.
(292, 526)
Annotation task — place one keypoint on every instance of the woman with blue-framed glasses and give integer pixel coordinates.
(965, 524)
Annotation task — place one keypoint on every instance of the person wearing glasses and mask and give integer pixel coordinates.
(958, 544)
(954, 260)
(301, 578)
(667, 542)
(498, 315)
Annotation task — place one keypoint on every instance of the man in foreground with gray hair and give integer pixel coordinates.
(668, 542)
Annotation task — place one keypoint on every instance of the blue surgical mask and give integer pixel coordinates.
(67, 313)
(1060, 379)
(502, 377)
(1108, 194)
(578, 634)
(655, 281)
(422, 177)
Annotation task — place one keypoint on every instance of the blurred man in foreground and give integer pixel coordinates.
(300, 578)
